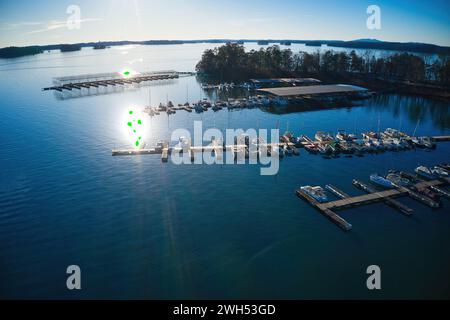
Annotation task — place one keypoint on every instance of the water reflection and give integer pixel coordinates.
(414, 107)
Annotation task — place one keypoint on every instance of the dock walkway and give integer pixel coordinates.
(111, 82)
(372, 196)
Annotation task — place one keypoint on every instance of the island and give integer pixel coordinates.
(14, 52)
(70, 47)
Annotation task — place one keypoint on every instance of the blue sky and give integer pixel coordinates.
(44, 22)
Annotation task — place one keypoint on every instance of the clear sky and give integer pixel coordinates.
(44, 22)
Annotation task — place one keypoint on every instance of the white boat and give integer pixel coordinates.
(425, 172)
(323, 137)
(398, 180)
(440, 172)
(381, 181)
(315, 192)
(427, 142)
(343, 136)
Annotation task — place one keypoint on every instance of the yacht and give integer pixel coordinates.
(343, 136)
(381, 181)
(371, 135)
(427, 142)
(440, 172)
(425, 172)
(323, 137)
(393, 133)
(398, 180)
(198, 107)
(315, 192)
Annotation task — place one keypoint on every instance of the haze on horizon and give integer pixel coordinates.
(44, 22)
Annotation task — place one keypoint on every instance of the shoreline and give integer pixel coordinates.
(419, 48)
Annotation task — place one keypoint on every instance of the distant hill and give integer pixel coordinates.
(368, 40)
(11, 52)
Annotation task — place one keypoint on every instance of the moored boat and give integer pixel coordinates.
(425, 172)
(316, 192)
(381, 181)
(436, 170)
(398, 180)
(343, 136)
(323, 137)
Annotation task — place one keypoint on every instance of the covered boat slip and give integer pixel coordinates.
(315, 90)
(284, 81)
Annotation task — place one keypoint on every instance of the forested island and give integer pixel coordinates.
(232, 63)
(70, 47)
(13, 52)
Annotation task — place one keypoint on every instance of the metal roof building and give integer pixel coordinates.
(291, 81)
(313, 90)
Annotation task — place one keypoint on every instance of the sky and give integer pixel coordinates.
(43, 22)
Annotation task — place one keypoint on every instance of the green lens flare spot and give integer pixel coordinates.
(126, 73)
(137, 143)
(134, 131)
(139, 122)
(130, 124)
(131, 112)
(140, 138)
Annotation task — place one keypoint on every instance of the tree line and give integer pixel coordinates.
(232, 63)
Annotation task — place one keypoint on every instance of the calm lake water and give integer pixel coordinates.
(139, 228)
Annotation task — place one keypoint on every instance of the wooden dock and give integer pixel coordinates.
(361, 200)
(111, 82)
(325, 211)
(441, 138)
(135, 152)
(372, 196)
(389, 201)
(240, 151)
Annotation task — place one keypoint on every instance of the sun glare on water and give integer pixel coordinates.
(134, 127)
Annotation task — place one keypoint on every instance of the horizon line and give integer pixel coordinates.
(368, 40)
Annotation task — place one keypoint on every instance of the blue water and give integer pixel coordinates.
(139, 228)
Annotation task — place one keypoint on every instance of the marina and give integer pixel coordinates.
(151, 219)
(324, 144)
(110, 79)
(372, 195)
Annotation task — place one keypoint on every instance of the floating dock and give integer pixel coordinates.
(325, 211)
(215, 146)
(372, 196)
(389, 201)
(111, 82)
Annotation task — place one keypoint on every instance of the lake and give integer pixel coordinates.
(139, 228)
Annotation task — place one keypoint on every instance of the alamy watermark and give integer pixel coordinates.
(374, 280)
(374, 20)
(73, 22)
(74, 279)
